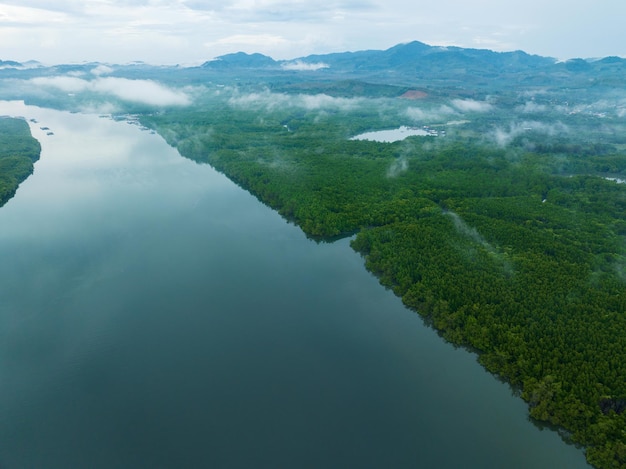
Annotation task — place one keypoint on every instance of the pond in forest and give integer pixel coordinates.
(394, 135)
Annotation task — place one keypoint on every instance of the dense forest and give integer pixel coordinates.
(516, 251)
(18, 152)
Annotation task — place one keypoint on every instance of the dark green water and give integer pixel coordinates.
(154, 315)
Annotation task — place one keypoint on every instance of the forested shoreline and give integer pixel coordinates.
(18, 153)
(518, 253)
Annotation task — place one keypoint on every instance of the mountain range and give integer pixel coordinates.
(412, 64)
(406, 63)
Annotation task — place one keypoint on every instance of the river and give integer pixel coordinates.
(155, 315)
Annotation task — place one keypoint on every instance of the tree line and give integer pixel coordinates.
(18, 152)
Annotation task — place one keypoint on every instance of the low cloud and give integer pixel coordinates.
(430, 115)
(135, 91)
(299, 65)
(602, 108)
(457, 107)
(398, 167)
(532, 107)
(69, 84)
(401, 163)
(466, 230)
(101, 70)
(268, 100)
(248, 42)
(471, 233)
(503, 137)
(470, 105)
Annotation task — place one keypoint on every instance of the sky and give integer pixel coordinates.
(189, 32)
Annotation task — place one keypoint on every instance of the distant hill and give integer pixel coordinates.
(402, 57)
(419, 64)
(9, 63)
(417, 55)
(410, 65)
(241, 60)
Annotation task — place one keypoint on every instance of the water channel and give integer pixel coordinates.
(153, 314)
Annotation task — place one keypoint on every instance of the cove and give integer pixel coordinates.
(153, 314)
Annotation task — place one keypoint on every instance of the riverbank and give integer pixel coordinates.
(18, 153)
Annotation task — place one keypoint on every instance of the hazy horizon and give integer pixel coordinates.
(163, 32)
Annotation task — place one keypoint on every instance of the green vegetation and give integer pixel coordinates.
(517, 251)
(18, 151)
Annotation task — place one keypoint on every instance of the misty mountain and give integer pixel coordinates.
(402, 58)
(9, 63)
(417, 56)
(439, 70)
(419, 64)
(241, 60)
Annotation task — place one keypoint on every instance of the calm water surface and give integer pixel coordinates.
(154, 315)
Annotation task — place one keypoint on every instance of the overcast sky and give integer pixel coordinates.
(192, 31)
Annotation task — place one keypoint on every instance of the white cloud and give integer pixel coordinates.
(470, 232)
(299, 65)
(269, 100)
(173, 31)
(137, 91)
(457, 107)
(250, 42)
(398, 167)
(143, 91)
(470, 105)
(429, 115)
(64, 83)
(101, 70)
(532, 107)
(504, 136)
(32, 15)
